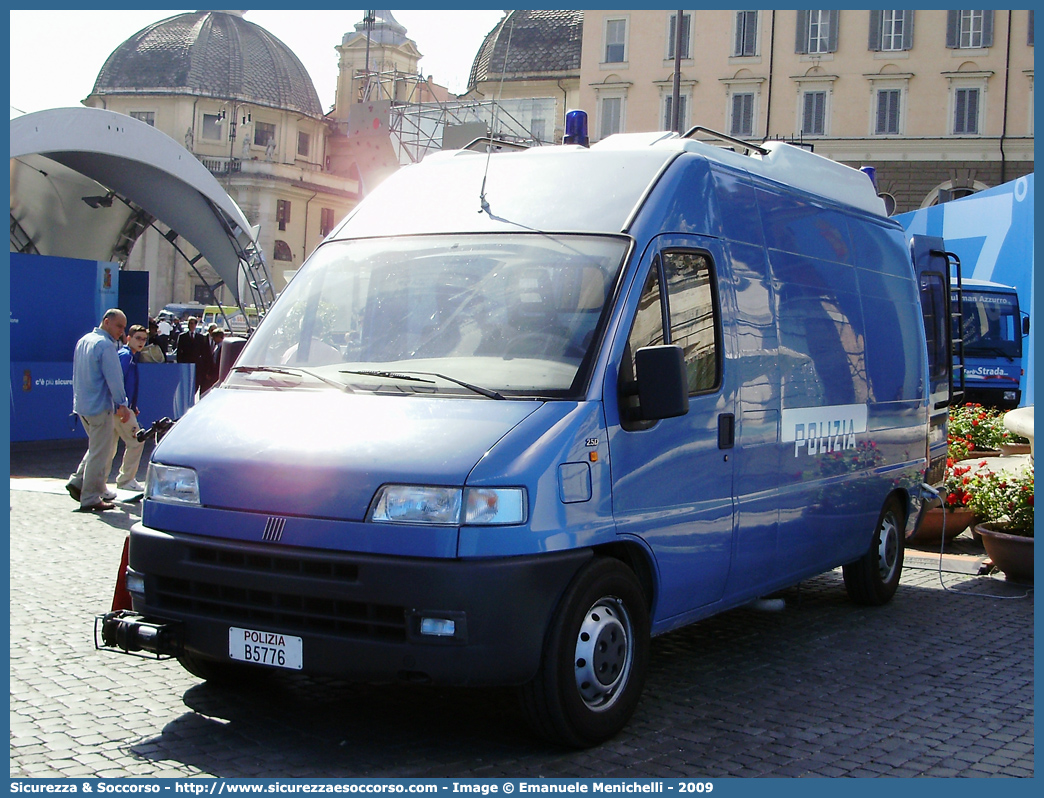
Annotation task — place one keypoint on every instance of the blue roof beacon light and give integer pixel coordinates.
(870, 172)
(576, 129)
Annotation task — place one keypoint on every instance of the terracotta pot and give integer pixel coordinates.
(931, 526)
(1013, 554)
(1008, 449)
(980, 454)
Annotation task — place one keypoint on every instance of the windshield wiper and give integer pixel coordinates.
(973, 350)
(409, 376)
(294, 370)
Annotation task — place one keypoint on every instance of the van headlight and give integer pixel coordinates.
(424, 504)
(173, 484)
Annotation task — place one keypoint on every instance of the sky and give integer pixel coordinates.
(56, 55)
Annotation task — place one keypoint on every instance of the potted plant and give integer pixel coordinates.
(975, 431)
(1003, 501)
(954, 514)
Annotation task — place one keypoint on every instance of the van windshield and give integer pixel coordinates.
(509, 315)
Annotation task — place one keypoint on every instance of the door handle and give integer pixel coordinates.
(726, 430)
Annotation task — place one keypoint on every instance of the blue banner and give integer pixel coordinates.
(992, 233)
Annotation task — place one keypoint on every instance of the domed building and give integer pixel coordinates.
(529, 64)
(244, 105)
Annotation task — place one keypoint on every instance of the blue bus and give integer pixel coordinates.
(992, 328)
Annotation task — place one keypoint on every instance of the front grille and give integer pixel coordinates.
(220, 596)
(274, 564)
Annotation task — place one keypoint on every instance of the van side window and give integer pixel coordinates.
(647, 330)
(693, 311)
(934, 311)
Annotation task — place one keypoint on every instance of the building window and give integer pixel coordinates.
(817, 32)
(668, 112)
(304, 144)
(965, 111)
(969, 29)
(281, 250)
(615, 41)
(813, 113)
(887, 112)
(326, 221)
(148, 117)
(201, 294)
(742, 123)
(283, 213)
(612, 116)
(745, 42)
(891, 31)
(672, 35)
(211, 130)
(264, 134)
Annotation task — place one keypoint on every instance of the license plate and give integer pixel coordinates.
(265, 648)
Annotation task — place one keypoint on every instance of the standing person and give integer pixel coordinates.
(97, 389)
(215, 335)
(126, 430)
(193, 348)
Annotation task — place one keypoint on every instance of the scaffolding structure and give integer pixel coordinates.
(418, 127)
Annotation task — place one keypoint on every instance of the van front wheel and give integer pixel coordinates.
(595, 658)
(874, 577)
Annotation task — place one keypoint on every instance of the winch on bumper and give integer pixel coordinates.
(360, 616)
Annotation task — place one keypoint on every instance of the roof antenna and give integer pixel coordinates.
(483, 202)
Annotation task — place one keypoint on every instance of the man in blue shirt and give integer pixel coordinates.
(137, 337)
(97, 389)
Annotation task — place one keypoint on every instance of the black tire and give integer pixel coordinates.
(230, 674)
(873, 578)
(595, 657)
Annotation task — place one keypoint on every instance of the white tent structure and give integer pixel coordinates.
(85, 182)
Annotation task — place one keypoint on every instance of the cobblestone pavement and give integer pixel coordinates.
(937, 683)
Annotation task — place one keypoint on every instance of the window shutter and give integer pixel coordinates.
(801, 38)
(908, 23)
(748, 115)
(1029, 34)
(820, 123)
(958, 111)
(972, 124)
(893, 112)
(833, 18)
(737, 42)
(953, 23)
(987, 28)
(874, 40)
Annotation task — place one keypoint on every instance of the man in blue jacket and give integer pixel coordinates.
(137, 337)
(97, 391)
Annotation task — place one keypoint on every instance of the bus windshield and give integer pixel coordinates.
(513, 314)
(990, 324)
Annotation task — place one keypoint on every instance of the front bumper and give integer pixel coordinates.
(358, 615)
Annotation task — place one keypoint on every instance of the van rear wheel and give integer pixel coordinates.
(874, 577)
(595, 658)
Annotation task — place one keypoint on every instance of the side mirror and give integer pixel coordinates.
(1025, 325)
(230, 349)
(663, 387)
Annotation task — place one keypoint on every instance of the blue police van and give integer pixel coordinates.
(523, 411)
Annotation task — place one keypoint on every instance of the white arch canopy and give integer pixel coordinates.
(67, 165)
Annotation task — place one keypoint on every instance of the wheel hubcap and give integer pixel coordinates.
(888, 547)
(604, 649)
